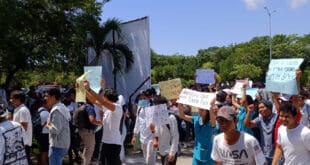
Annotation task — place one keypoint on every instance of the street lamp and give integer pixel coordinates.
(270, 40)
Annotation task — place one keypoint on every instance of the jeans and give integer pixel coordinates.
(56, 155)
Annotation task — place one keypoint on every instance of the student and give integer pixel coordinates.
(58, 126)
(265, 122)
(203, 128)
(141, 128)
(232, 146)
(111, 137)
(293, 138)
(166, 137)
(12, 150)
(22, 115)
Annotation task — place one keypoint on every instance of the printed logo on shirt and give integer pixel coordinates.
(235, 154)
(257, 149)
(14, 147)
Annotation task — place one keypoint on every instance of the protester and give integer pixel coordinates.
(22, 115)
(293, 138)
(141, 128)
(242, 110)
(232, 146)
(265, 122)
(111, 137)
(203, 126)
(305, 108)
(58, 126)
(12, 135)
(166, 137)
(43, 137)
(86, 131)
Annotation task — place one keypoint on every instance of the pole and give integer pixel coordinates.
(270, 38)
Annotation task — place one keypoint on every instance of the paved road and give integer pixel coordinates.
(184, 159)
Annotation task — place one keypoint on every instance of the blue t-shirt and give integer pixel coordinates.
(241, 117)
(90, 110)
(203, 140)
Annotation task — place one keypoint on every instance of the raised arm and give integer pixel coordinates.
(243, 97)
(276, 101)
(182, 115)
(248, 123)
(234, 101)
(97, 99)
(212, 117)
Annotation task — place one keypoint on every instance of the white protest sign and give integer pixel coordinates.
(237, 89)
(205, 76)
(281, 75)
(170, 89)
(94, 77)
(157, 114)
(196, 99)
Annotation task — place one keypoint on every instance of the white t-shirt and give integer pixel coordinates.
(12, 149)
(44, 116)
(246, 151)
(22, 114)
(111, 122)
(295, 144)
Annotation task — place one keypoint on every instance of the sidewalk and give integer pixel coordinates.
(184, 159)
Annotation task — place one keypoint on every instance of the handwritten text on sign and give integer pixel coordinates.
(281, 76)
(170, 89)
(158, 115)
(196, 99)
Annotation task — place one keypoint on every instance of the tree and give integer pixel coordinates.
(41, 35)
(121, 54)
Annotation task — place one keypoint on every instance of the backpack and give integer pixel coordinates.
(36, 122)
(80, 118)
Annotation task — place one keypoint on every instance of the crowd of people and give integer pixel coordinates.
(271, 128)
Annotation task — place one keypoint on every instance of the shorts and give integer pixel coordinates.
(43, 143)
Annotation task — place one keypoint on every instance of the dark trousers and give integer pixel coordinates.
(28, 150)
(164, 160)
(110, 154)
(98, 136)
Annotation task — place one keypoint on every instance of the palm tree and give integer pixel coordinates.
(121, 54)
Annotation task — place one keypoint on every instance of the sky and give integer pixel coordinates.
(184, 27)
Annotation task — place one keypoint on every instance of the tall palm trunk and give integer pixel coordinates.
(114, 71)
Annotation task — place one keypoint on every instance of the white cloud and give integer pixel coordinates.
(297, 3)
(253, 4)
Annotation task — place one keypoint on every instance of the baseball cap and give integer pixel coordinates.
(3, 110)
(227, 112)
(285, 97)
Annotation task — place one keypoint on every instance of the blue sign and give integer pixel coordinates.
(205, 76)
(94, 77)
(281, 75)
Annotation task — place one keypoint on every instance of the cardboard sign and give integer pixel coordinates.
(281, 75)
(94, 77)
(205, 76)
(158, 115)
(170, 89)
(196, 99)
(80, 95)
